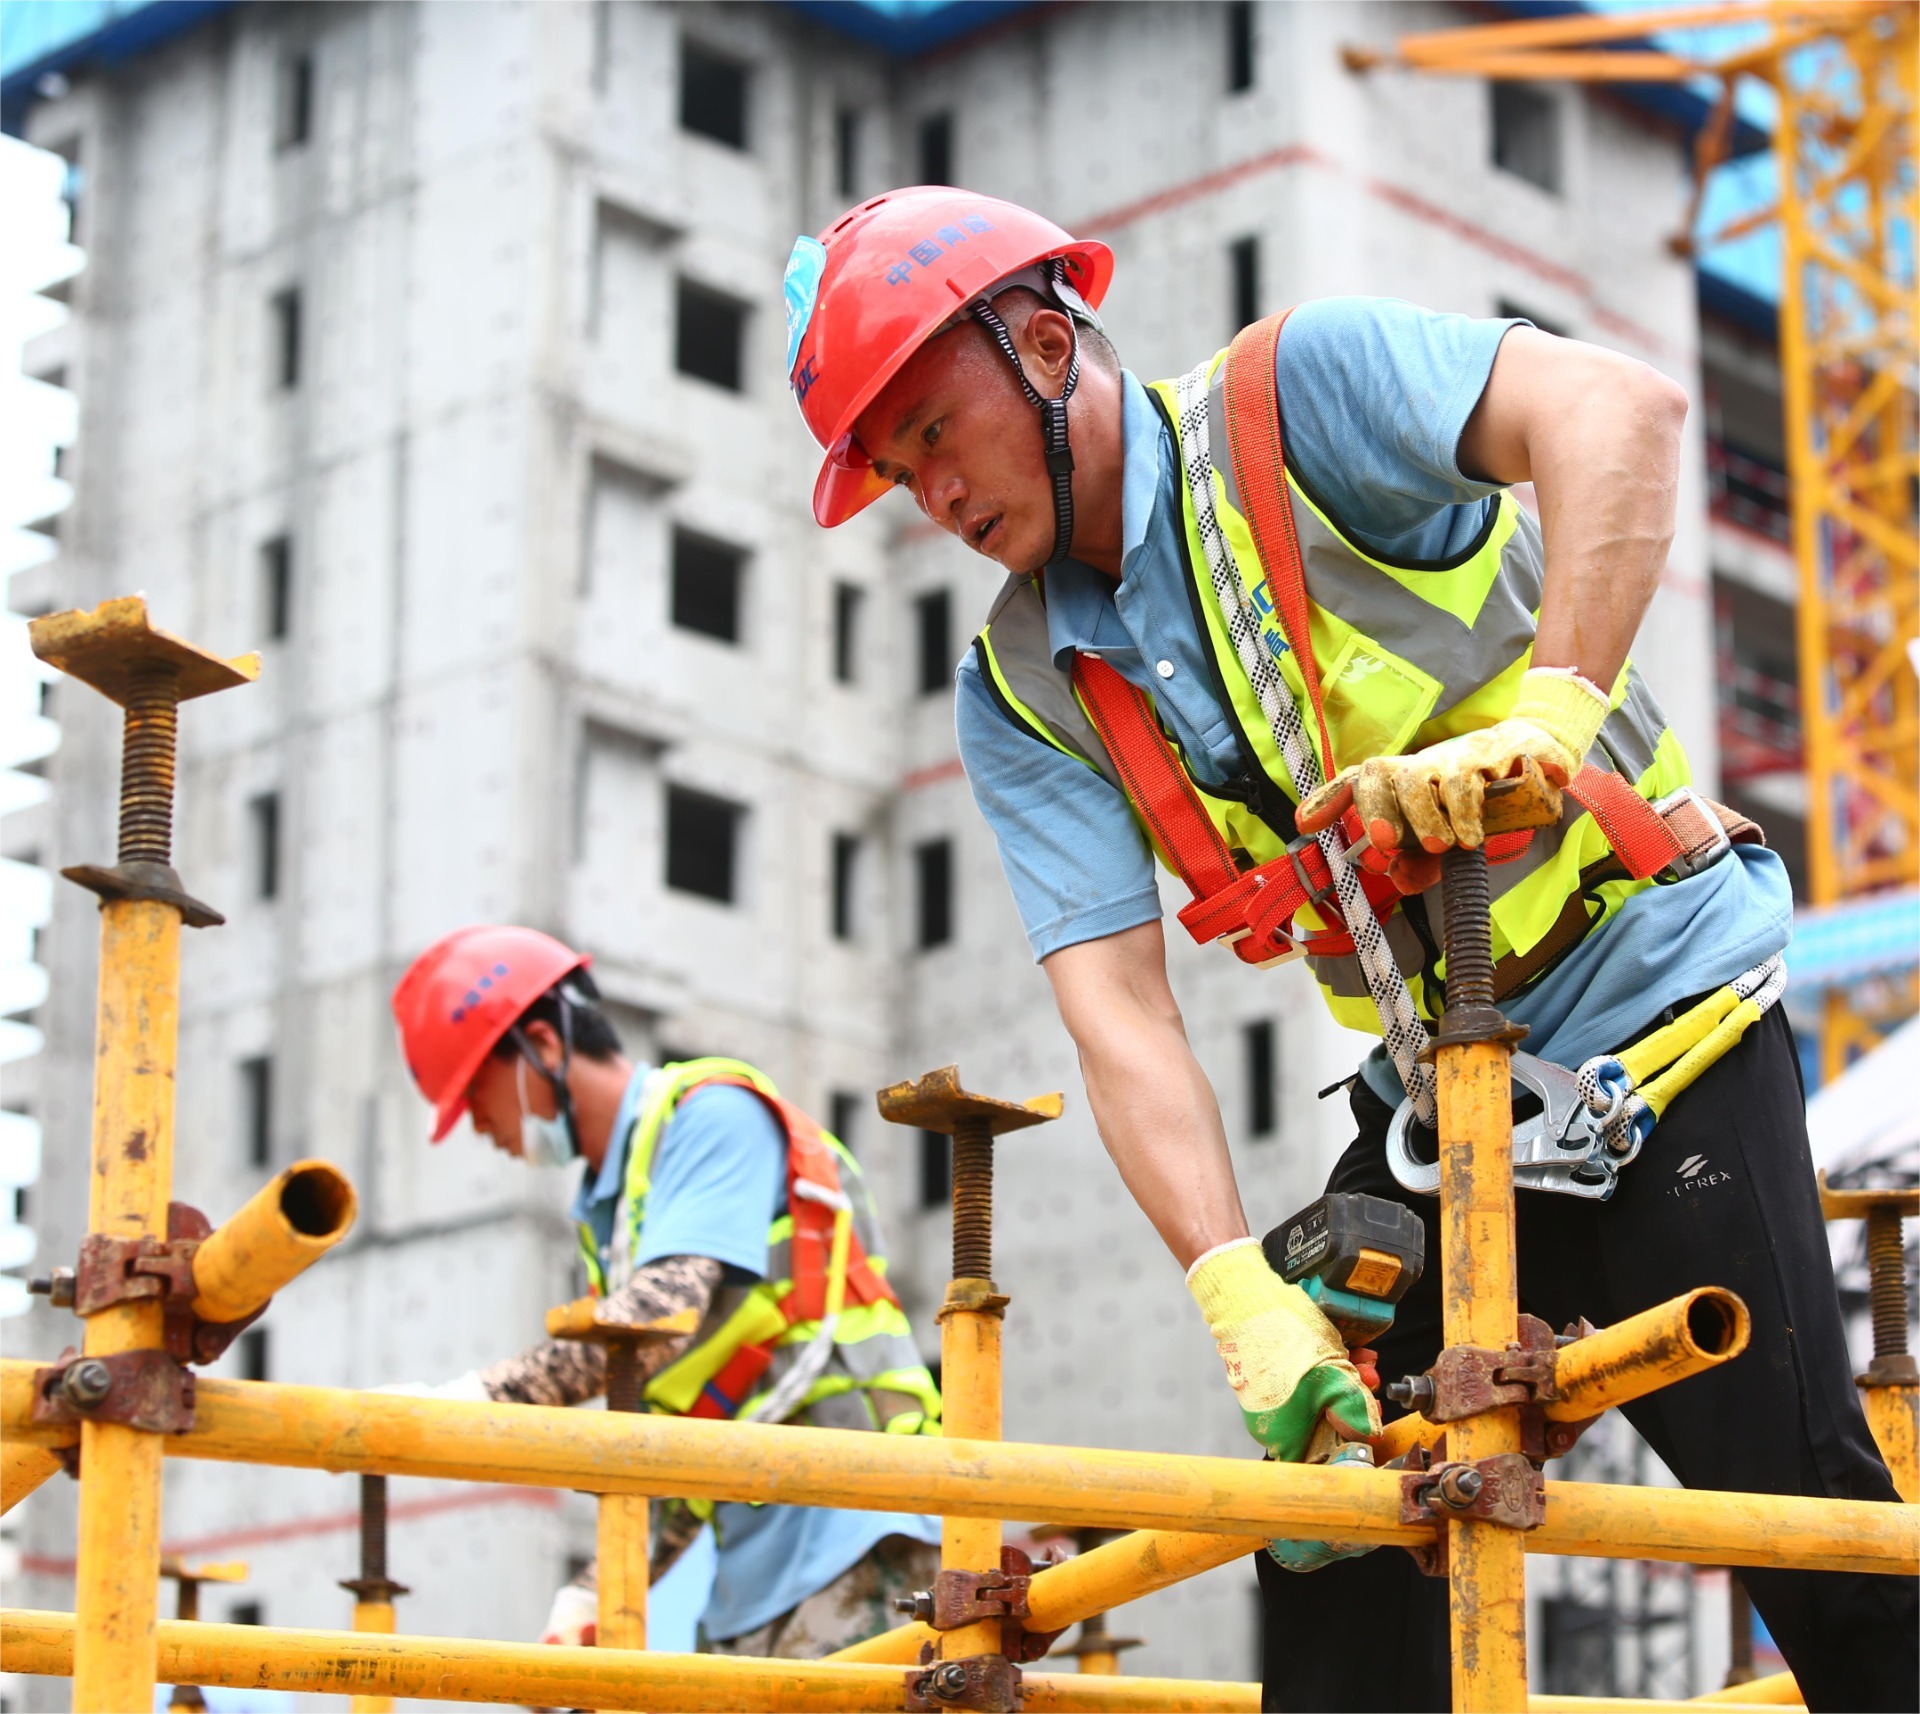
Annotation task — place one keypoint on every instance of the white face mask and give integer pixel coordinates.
(543, 1142)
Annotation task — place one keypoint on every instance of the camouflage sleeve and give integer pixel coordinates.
(567, 1371)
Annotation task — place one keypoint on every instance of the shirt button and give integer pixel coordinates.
(1164, 668)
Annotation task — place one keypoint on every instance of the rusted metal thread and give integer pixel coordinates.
(972, 1200)
(625, 1384)
(373, 1529)
(1469, 928)
(1887, 1276)
(146, 765)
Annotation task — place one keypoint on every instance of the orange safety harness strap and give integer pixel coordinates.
(810, 1250)
(1259, 465)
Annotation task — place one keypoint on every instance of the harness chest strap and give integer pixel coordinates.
(1253, 910)
(819, 1210)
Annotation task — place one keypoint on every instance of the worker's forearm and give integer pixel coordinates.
(1155, 1109)
(1606, 479)
(570, 1371)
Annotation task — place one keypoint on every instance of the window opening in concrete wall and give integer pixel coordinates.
(1239, 46)
(256, 1108)
(933, 893)
(253, 1367)
(285, 314)
(707, 577)
(276, 585)
(935, 137)
(936, 1169)
(710, 329)
(247, 1612)
(713, 95)
(1262, 1083)
(846, 867)
(933, 626)
(847, 601)
(293, 102)
(263, 815)
(1526, 133)
(844, 1112)
(1243, 265)
(846, 150)
(702, 843)
(73, 181)
(1508, 309)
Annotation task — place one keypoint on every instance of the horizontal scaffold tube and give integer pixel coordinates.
(1093, 1582)
(322, 1428)
(22, 1469)
(1685, 1336)
(544, 1675)
(454, 1669)
(279, 1232)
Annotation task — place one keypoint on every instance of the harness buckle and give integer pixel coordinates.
(1296, 855)
(1674, 810)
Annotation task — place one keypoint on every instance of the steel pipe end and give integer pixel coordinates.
(1718, 1325)
(317, 1200)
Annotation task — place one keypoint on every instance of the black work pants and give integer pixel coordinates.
(1722, 1194)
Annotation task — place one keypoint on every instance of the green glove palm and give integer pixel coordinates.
(1288, 1367)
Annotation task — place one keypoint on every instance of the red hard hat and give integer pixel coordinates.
(461, 996)
(894, 270)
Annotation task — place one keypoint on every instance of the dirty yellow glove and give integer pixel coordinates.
(1286, 1363)
(1435, 794)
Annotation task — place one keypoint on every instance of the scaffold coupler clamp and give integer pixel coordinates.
(1565, 1147)
(986, 1683)
(959, 1598)
(151, 1390)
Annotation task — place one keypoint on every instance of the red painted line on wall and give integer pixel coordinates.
(327, 1523)
(1291, 155)
(951, 768)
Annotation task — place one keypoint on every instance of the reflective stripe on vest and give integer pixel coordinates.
(752, 1338)
(1406, 656)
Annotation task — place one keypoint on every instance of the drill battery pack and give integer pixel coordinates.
(1354, 1255)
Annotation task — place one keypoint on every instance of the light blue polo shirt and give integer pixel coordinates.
(1376, 394)
(719, 1180)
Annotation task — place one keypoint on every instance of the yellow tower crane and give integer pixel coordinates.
(1843, 74)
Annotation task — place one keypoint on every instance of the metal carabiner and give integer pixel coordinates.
(1561, 1148)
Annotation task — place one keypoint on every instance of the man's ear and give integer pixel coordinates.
(1048, 341)
(545, 1041)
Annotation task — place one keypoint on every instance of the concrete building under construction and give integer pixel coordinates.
(435, 352)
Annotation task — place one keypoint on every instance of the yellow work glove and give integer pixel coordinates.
(1288, 1367)
(1435, 794)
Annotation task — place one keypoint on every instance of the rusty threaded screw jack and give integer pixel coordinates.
(147, 754)
(972, 1199)
(373, 1586)
(1887, 1294)
(149, 673)
(936, 1102)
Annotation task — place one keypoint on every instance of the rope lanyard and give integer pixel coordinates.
(1386, 986)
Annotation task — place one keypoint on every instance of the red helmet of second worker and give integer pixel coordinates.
(886, 277)
(461, 996)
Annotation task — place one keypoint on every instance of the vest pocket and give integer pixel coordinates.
(1375, 701)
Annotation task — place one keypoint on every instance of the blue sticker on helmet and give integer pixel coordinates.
(802, 286)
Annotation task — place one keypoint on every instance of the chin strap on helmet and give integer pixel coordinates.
(1053, 417)
(563, 1001)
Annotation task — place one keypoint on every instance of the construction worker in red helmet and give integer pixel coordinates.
(698, 1184)
(1278, 623)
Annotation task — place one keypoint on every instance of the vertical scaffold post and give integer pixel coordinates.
(1890, 1388)
(142, 906)
(373, 1590)
(1473, 1051)
(970, 1327)
(622, 1539)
